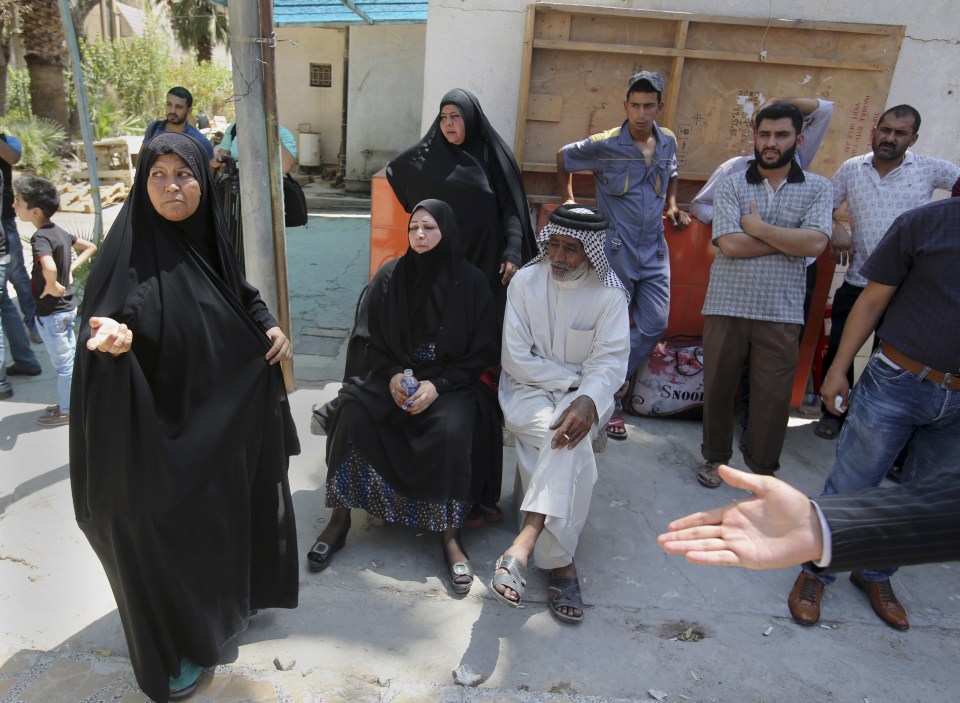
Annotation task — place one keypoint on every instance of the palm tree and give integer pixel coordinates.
(7, 8)
(46, 58)
(197, 25)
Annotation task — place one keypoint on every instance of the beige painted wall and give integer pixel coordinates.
(297, 102)
(385, 96)
(477, 44)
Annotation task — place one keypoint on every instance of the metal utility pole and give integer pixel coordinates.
(254, 87)
(84, 112)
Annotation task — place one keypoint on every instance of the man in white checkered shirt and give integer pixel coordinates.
(766, 220)
(878, 187)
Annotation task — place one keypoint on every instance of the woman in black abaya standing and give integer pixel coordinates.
(462, 161)
(181, 434)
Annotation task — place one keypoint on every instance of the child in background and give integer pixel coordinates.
(36, 200)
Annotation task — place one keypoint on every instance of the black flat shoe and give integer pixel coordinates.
(15, 370)
(321, 553)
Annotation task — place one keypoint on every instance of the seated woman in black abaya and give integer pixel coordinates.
(180, 432)
(419, 461)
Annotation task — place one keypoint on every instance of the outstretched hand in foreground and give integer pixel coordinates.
(772, 529)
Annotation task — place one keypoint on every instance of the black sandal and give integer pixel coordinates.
(828, 427)
(321, 553)
(565, 593)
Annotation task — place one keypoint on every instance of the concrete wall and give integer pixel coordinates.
(297, 102)
(477, 44)
(385, 96)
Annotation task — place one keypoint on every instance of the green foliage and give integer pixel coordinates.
(211, 85)
(131, 72)
(18, 93)
(39, 137)
(109, 119)
(127, 81)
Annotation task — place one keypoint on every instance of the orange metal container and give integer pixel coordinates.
(388, 223)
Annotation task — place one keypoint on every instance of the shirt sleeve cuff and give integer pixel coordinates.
(827, 555)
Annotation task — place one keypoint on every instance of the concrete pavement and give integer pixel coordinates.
(381, 624)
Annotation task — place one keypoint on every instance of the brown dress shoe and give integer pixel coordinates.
(883, 600)
(804, 600)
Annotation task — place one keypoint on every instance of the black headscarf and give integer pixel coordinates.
(422, 280)
(179, 447)
(480, 180)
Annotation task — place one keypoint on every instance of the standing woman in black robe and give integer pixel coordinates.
(181, 437)
(419, 461)
(462, 161)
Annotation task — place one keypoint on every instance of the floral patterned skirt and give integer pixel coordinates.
(356, 484)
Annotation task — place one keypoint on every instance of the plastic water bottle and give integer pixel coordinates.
(409, 384)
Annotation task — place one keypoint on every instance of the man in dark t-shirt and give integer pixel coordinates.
(910, 389)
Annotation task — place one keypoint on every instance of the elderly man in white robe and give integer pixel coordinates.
(566, 341)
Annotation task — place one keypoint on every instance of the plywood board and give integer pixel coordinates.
(545, 108)
(716, 71)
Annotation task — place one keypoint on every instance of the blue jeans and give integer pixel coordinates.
(61, 342)
(17, 272)
(888, 406)
(13, 328)
(16, 333)
(5, 384)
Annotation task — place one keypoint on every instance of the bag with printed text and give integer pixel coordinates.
(670, 380)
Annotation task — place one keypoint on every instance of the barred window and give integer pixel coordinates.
(321, 75)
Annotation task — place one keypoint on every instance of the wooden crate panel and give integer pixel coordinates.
(590, 87)
(714, 79)
(622, 30)
(545, 108)
(718, 125)
(795, 44)
(552, 25)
